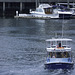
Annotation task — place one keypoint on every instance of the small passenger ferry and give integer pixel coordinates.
(59, 54)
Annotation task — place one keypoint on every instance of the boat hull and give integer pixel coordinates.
(65, 16)
(59, 66)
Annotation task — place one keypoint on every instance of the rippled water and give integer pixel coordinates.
(22, 45)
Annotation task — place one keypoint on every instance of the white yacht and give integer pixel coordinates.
(44, 10)
(47, 11)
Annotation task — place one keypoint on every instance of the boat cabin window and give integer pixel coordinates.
(58, 54)
(39, 10)
(48, 10)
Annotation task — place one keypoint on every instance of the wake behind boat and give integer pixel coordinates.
(59, 54)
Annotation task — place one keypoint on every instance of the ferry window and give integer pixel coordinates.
(62, 55)
(54, 55)
(66, 54)
(53, 44)
(50, 54)
(64, 43)
(58, 55)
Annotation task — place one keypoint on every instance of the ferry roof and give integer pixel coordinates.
(59, 50)
(59, 39)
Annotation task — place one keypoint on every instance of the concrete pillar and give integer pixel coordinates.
(68, 3)
(36, 3)
(3, 6)
(20, 6)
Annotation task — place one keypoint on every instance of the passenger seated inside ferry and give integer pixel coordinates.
(53, 56)
(59, 55)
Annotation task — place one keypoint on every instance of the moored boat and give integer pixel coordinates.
(59, 54)
(44, 10)
(64, 12)
(67, 14)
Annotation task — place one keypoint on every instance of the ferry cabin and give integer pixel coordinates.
(58, 43)
(63, 54)
(59, 47)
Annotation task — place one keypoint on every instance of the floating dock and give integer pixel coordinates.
(32, 17)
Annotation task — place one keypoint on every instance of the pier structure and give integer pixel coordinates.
(9, 7)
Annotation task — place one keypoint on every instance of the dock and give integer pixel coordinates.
(9, 7)
(32, 17)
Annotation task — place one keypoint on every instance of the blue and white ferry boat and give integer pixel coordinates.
(59, 54)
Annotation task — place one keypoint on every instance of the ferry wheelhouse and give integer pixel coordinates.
(59, 54)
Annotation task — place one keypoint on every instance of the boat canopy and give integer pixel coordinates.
(59, 39)
(58, 43)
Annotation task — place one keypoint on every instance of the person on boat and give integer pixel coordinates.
(53, 56)
(59, 44)
(65, 55)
